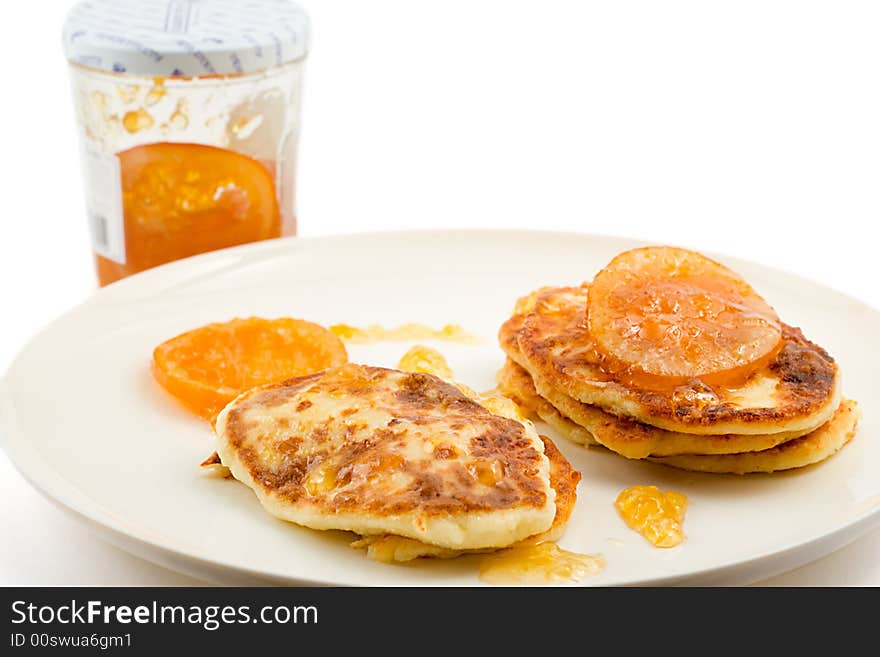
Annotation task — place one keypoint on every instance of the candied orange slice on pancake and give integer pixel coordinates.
(664, 315)
(208, 367)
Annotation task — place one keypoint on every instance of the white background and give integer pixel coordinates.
(746, 128)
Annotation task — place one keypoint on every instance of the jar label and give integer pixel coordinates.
(103, 183)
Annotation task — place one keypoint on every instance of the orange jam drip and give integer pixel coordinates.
(321, 480)
(137, 120)
(545, 563)
(656, 515)
(179, 200)
(411, 331)
(425, 359)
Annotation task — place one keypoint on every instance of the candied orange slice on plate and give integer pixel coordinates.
(666, 315)
(208, 367)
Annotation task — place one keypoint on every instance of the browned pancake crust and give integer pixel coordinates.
(553, 338)
(624, 436)
(361, 455)
(811, 448)
(516, 384)
(564, 479)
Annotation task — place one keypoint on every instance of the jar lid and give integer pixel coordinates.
(185, 37)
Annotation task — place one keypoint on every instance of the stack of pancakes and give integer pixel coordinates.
(788, 413)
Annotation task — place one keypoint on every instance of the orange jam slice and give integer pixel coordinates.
(179, 200)
(665, 315)
(655, 514)
(425, 359)
(208, 367)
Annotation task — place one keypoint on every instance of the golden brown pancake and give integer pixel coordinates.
(805, 450)
(563, 479)
(627, 437)
(377, 451)
(812, 448)
(796, 392)
(515, 382)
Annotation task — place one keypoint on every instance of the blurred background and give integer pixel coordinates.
(746, 128)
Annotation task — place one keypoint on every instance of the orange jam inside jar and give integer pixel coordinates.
(179, 200)
(189, 123)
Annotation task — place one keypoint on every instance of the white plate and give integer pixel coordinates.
(84, 421)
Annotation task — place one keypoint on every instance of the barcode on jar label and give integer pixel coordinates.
(103, 184)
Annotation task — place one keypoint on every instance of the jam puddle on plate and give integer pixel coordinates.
(542, 564)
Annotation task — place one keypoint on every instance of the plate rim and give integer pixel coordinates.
(50, 483)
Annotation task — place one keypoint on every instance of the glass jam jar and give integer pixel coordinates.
(189, 118)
